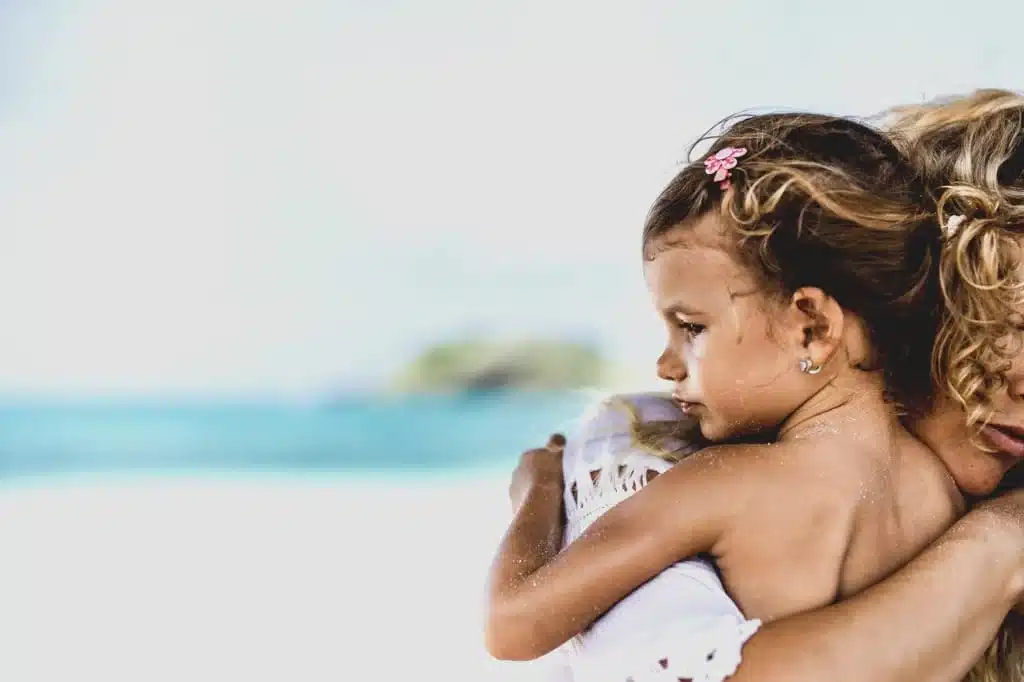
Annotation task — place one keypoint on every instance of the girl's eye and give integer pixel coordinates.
(691, 329)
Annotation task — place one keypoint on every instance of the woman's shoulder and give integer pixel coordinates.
(616, 413)
(616, 425)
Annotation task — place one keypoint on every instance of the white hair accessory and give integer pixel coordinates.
(953, 224)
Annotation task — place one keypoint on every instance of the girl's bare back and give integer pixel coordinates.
(836, 518)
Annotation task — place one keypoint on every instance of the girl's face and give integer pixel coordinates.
(976, 471)
(732, 352)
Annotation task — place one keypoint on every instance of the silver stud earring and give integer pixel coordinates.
(808, 367)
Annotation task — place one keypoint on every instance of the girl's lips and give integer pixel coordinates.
(685, 406)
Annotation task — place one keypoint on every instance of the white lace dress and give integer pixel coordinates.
(681, 625)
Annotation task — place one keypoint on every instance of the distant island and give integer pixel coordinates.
(471, 366)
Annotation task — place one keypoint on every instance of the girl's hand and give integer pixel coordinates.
(539, 467)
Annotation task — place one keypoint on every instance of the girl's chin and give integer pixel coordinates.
(718, 432)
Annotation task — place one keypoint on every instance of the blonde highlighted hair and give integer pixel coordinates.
(1003, 661)
(972, 148)
(827, 202)
(671, 440)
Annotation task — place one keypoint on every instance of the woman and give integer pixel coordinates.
(899, 629)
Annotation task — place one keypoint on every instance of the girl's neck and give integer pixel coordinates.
(853, 409)
(854, 400)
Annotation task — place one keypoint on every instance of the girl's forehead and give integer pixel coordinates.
(682, 259)
(697, 249)
(695, 277)
(708, 230)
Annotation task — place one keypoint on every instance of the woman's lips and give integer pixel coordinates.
(1006, 439)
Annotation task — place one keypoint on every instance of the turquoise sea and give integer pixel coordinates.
(354, 434)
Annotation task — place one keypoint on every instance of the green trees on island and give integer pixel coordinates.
(480, 365)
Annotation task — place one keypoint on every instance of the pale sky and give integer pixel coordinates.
(227, 195)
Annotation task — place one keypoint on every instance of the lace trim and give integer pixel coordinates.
(604, 468)
(592, 492)
(711, 655)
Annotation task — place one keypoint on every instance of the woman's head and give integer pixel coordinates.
(806, 247)
(971, 149)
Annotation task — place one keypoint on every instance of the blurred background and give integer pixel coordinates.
(288, 286)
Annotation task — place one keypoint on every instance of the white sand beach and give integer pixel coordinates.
(252, 579)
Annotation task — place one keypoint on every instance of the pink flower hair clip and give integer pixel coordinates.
(721, 163)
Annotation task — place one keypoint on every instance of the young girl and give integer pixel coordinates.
(798, 282)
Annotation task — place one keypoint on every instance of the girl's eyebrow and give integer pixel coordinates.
(680, 308)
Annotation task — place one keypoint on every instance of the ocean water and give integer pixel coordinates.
(371, 536)
(358, 434)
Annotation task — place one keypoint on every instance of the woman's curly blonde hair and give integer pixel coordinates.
(971, 150)
(972, 147)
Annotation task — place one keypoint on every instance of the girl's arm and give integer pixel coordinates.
(538, 598)
(532, 539)
(927, 623)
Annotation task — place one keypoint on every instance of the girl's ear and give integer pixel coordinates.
(818, 325)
